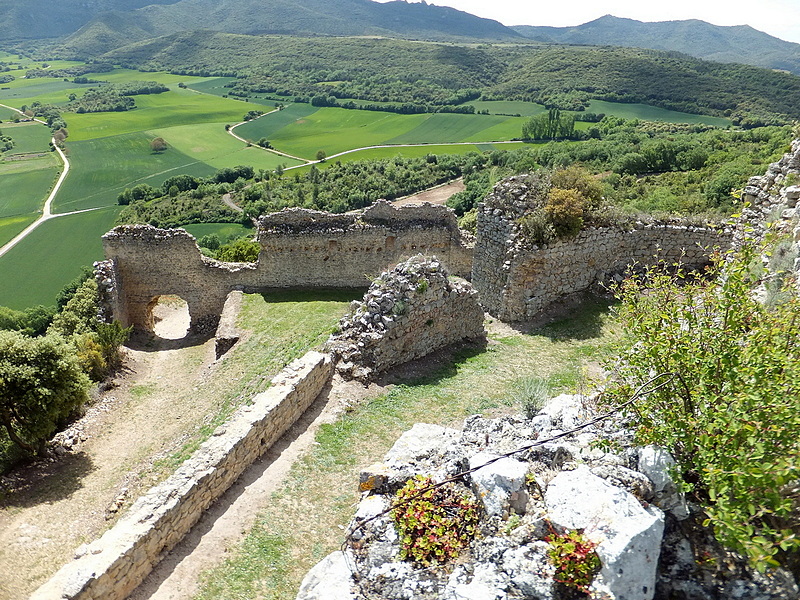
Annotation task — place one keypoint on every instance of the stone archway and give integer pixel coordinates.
(168, 317)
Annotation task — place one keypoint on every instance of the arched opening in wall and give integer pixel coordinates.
(171, 318)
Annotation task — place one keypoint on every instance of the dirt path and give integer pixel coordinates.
(55, 506)
(435, 195)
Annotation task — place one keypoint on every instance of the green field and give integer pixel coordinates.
(11, 226)
(28, 137)
(6, 114)
(156, 111)
(34, 271)
(225, 231)
(210, 143)
(508, 107)
(102, 168)
(26, 184)
(653, 113)
(302, 130)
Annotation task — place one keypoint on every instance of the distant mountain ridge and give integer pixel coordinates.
(100, 25)
(739, 43)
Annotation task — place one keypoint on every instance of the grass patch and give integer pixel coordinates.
(225, 231)
(35, 270)
(11, 226)
(283, 326)
(320, 493)
(508, 107)
(444, 127)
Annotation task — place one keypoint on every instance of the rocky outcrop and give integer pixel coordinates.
(408, 312)
(650, 546)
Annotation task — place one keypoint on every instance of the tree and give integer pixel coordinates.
(321, 155)
(158, 144)
(41, 384)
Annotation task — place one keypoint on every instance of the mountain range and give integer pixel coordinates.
(739, 43)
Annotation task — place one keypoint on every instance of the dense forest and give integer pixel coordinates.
(384, 70)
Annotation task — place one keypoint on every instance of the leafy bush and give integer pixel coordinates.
(565, 210)
(241, 250)
(41, 384)
(536, 227)
(434, 525)
(729, 415)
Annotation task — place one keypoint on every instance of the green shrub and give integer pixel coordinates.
(565, 209)
(436, 524)
(729, 415)
(536, 227)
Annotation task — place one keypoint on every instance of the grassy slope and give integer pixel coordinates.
(35, 270)
(26, 184)
(303, 519)
(225, 231)
(653, 113)
(28, 137)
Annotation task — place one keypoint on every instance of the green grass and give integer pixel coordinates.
(320, 494)
(103, 168)
(508, 107)
(6, 114)
(11, 226)
(225, 231)
(28, 137)
(211, 144)
(652, 113)
(26, 184)
(445, 127)
(268, 125)
(35, 270)
(156, 111)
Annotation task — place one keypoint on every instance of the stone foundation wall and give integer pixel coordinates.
(516, 281)
(408, 312)
(299, 249)
(111, 567)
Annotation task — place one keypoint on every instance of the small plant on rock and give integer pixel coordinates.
(575, 560)
(434, 524)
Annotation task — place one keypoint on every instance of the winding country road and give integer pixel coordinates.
(47, 213)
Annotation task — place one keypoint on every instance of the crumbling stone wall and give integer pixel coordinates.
(111, 567)
(299, 248)
(517, 280)
(408, 312)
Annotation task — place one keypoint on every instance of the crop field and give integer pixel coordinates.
(508, 107)
(155, 111)
(103, 168)
(211, 144)
(6, 114)
(653, 113)
(28, 137)
(34, 271)
(11, 226)
(303, 130)
(26, 184)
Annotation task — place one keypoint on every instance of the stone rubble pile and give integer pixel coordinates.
(649, 540)
(407, 313)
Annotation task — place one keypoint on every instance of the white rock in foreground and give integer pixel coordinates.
(628, 535)
(329, 579)
(500, 485)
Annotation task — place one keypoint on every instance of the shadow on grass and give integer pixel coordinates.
(278, 295)
(148, 342)
(45, 482)
(573, 319)
(435, 367)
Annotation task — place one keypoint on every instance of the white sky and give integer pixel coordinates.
(780, 18)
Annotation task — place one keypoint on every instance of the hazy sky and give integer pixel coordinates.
(780, 18)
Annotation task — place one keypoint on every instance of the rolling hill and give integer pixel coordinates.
(108, 24)
(736, 44)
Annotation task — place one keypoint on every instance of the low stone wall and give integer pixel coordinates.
(408, 312)
(516, 281)
(111, 567)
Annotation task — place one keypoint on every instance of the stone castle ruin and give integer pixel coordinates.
(299, 249)
(304, 249)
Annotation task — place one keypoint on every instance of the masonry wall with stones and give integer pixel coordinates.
(517, 280)
(407, 313)
(299, 249)
(111, 567)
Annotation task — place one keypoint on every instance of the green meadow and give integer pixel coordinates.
(508, 107)
(36, 269)
(653, 113)
(28, 137)
(11, 226)
(104, 167)
(225, 231)
(26, 184)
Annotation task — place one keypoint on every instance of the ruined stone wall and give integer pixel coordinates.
(299, 248)
(516, 281)
(111, 567)
(408, 312)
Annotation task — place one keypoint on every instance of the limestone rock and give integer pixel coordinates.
(500, 485)
(329, 579)
(628, 535)
(656, 463)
